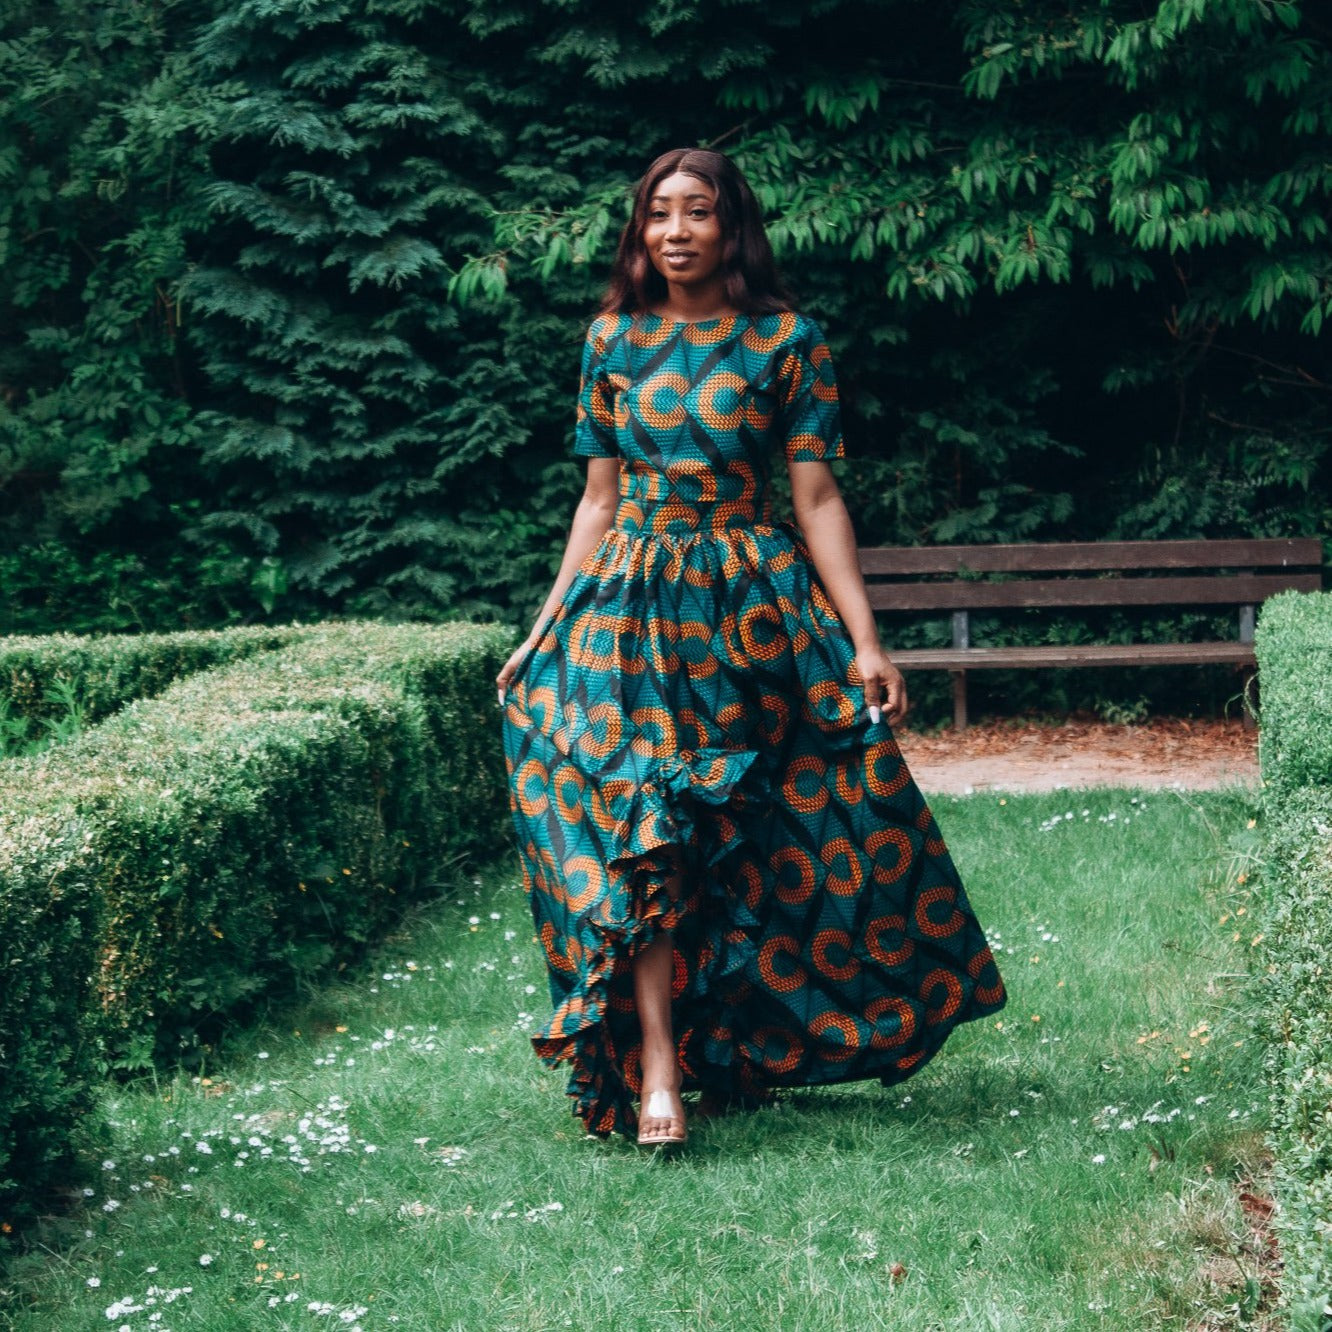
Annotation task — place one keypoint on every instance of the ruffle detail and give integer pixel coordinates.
(662, 811)
(656, 818)
(578, 1032)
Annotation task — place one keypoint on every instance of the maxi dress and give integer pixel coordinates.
(694, 694)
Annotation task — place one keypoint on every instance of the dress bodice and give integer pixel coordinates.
(696, 412)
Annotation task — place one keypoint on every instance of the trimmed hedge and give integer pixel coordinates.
(1292, 995)
(1294, 645)
(250, 826)
(102, 674)
(48, 951)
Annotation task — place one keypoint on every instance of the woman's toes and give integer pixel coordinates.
(662, 1115)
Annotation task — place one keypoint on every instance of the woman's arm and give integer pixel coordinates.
(591, 520)
(826, 526)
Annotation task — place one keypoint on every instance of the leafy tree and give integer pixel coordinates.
(1072, 259)
(1072, 254)
(98, 468)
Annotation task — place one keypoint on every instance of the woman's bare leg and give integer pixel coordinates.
(662, 1113)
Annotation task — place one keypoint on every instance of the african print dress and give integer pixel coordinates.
(695, 693)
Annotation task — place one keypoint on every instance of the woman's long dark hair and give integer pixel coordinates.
(749, 271)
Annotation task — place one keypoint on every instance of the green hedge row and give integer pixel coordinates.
(252, 824)
(1294, 645)
(43, 680)
(1292, 996)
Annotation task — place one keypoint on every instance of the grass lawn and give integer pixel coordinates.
(393, 1155)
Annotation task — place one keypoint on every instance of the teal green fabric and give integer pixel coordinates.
(693, 701)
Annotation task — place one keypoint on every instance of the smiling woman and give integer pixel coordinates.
(683, 239)
(736, 881)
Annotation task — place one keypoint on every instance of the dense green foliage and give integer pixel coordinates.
(1292, 993)
(293, 293)
(53, 685)
(199, 851)
(1294, 645)
(100, 179)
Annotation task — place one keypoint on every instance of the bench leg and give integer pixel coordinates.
(959, 700)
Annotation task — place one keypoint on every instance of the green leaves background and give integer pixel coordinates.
(293, 292)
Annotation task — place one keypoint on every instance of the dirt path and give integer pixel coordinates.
(1016, 756)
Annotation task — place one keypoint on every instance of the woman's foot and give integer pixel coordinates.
(661, 1118)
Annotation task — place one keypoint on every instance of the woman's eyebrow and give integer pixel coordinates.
(666, 198)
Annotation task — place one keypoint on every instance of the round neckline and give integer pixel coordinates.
(693, 323)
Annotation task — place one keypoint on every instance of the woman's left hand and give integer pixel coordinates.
(885, 689)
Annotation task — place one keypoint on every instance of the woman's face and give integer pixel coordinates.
(682, 234)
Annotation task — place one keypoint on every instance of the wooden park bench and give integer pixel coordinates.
(962, 579)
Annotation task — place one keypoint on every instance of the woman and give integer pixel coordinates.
(736, 882)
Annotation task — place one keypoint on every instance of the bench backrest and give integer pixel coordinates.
(1097, 573)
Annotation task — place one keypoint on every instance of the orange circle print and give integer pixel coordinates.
(887, 1034)
(727, 414)
(782, 329)
(885, 840)
(780, 1051)
(830, 689)
(661, 400)
(569, 787)
(604, 733)
(533, 788)
(930, 898)
(584, 882)
(804, 786)
(979, 963)
(761, 634)
(846, 867)
(780, 965)
(885, 773)
(825, 941)
(845, 1025)
(890, 955)
(795, 875)
(952, 996)
(655, 732)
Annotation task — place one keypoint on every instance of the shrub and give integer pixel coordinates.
(43, 680)
(203, 849)
(48, 945)
(1294, 645)
(1292, 990)
(1294, 1006)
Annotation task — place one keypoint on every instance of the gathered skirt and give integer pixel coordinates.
(694, 700)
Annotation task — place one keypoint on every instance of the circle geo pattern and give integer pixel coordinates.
(694, 695)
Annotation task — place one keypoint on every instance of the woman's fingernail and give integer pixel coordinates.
(874, 713)
(501, 698)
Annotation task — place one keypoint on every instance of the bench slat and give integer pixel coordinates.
(1093, 556)
(1225, 590)
(1081, 654)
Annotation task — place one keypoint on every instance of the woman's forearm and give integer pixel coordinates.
(592, 518)
(826, 527)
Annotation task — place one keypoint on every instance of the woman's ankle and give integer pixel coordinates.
(661, 1071)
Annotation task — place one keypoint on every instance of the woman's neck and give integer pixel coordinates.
(694, 306)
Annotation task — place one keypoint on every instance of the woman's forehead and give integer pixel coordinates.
(681, 185)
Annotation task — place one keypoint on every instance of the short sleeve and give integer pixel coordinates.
(594, 422)
(811, 412)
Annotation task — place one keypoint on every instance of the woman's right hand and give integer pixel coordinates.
(507, 670)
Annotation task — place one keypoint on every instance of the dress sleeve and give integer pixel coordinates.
(810, 410)
(594, 422)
